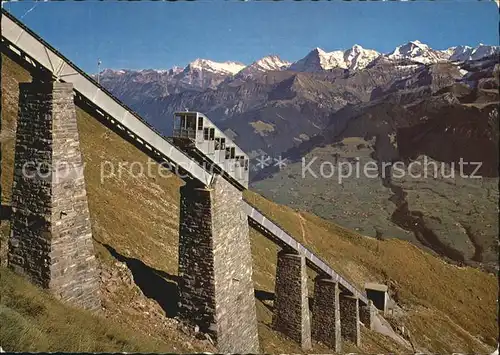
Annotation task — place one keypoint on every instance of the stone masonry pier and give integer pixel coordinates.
(291, 303)
(349, 318)
(326, 313)
(367, 314)
(51, 239)
(215, 266)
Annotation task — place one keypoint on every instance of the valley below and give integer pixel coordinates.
(454, 217)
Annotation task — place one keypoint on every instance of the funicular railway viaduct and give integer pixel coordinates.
(51, 241)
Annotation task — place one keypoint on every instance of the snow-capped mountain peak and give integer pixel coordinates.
(419, 44)
(267, 63)
(358, 57)
(228, 68)
(463, 53)
(356, 48)
(416, 51)
(317, 60)
(175, 70)
(113, 72)
(140, 72)
(271, 62)
(410, 49)
(319, 51)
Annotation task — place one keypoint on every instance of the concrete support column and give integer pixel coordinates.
(51, 238)
(367, 314)
(291, 303)
(326, 313)
(349, 318)
(215, 266)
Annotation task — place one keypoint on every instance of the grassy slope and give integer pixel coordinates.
(32, 320)
(138, 218)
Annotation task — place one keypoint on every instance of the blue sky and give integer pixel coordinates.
(160, 35)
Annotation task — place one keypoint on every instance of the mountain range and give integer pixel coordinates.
(316, 60)
(306, 92)
(410, 103)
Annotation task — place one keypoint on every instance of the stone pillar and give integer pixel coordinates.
(291, 303)
(215, 266)
(367, 314)
(349, 318)
(326, 313)
(51, 238)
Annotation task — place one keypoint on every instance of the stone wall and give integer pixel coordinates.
(349, 318)
(291, 304)
(215, 266)
(326, 313)
(51, 238)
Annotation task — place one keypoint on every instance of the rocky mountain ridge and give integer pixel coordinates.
(283, 104)
(317, 60)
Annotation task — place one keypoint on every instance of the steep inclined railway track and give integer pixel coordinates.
(27, 46)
